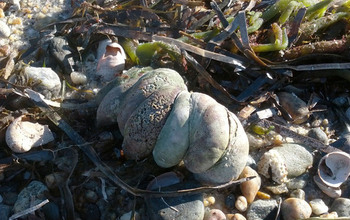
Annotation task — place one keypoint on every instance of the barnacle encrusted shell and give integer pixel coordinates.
(273, 160)
(22, 135)
(145, 123)
(234, 159)
(143, 88)
(334, 168)
(209, 133)
(173, 140)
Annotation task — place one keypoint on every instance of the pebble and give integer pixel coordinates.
(4, 30)
(250, 188)
(241, 204)
(341, 206)
(262, 209)
(4, 211)
(48, 82)
(298, 182)
(127, 216)
(210, 200)
(318, 206)
(294, 106)
(214, 214)
(78, 78)
(293, 209)
(298, 193)
(182, 207)
(236, 216)
(318, 134)
(297, 158)
(278, 189)
(61, 51)
(91, 196)
(31, 195)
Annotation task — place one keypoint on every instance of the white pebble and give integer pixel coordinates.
(318, 206)
(78, 78)
(241, 204)
(4, 30)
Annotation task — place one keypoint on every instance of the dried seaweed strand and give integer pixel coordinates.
(314, 67)
(92, 155)
(29, 210)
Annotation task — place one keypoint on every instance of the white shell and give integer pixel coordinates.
(111, 62)
(334, 168)
(21, 136)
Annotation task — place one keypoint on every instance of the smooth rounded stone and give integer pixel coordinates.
(241, 204)
(145, 123)
(4, 211)
(63, 54)
(46, 81)
(78, 78)
(4, 30)
(295, 107)
(293, 208)
(250, 188)
(296, 157)
(341, 206)
(318, 134)
(214, 214)
(298, 193)
(31, 195)
(173, 140)
(318, 206)
(236, 216)
(209, 133)
(262, 209)
(188, 206)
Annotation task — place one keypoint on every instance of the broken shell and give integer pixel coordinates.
(111, 63)
(334, 168)
(273, 160)
(21, 135)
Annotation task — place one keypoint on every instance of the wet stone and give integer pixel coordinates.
(341, 206)
(318, 134)
(262, 209)
(182, 207)
(31, 195)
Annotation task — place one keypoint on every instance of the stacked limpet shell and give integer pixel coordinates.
(157, 115)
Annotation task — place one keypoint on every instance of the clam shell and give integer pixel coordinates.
(22, 135)
(334, 168)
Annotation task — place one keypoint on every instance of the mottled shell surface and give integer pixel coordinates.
(145, 123)
(173, 140)
(334, 168)
(209, 133)
(143, 88)
(21, 135)
(233, 161)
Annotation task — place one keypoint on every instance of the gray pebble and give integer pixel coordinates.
(262, 209)
(297, 158)
(31, 195)
(62, 52)
(318, 134)
(341, 206)
(298, 182)
(4, 30)
(4, 211)
(45, 81)
(298, 193)
(182, 207)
